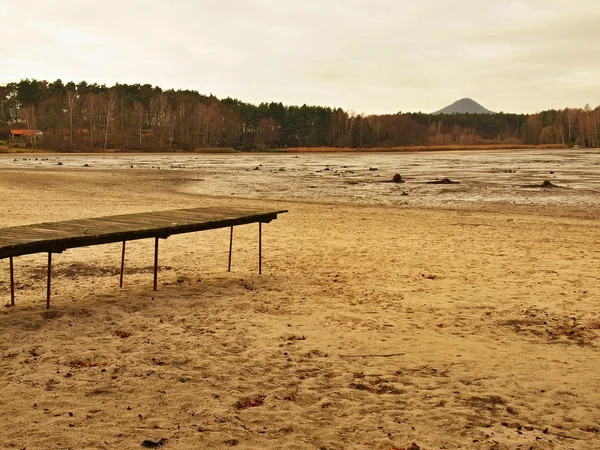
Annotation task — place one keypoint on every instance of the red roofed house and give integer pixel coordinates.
(24, 135)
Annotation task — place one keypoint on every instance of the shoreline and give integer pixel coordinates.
(300, 150)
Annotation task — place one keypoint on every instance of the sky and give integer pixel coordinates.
(371, 57)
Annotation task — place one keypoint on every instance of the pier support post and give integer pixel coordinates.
(12, 283)
(49, 280)
(155, 263)
(260, 248)
(230, 249)
(122, 265)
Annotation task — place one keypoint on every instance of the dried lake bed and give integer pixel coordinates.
(490, 176)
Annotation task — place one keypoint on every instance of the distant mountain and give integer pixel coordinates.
(462, 106)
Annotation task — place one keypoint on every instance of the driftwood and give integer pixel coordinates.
(443, 181)
(388, 355)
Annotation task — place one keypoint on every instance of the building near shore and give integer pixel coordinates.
(24, 135)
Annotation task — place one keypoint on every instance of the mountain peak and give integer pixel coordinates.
(463, 106)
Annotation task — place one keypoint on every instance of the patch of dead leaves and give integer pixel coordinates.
(250, 402)
(122, 334)
(82, 364)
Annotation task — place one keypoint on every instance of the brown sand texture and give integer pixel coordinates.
(372, 327)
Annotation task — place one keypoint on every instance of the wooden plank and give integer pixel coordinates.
(48, 232)
(136, 220)
(138, 223)
(66, 228)
(211, 216)
(95, 227)
(29, 234)
(189, 218)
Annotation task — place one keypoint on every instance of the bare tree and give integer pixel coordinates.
(28, 115)
(90, 104)
(267, 132)
(110, 104)
(71, 98)
(139, 111)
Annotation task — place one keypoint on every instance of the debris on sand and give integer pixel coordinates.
(380, 390)
(122, 334)
(412, 446)
(545, 185)
(443, 181)
(397, 178)
(250, 402)
(150, 443)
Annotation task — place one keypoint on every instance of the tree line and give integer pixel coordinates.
(84, 116)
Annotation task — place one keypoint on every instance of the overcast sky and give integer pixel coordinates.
(377, 56)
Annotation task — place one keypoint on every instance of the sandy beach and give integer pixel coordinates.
(456, 316)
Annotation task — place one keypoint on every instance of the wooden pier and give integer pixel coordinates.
(56, 237)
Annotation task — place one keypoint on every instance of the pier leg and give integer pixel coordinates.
(260, 248)
(122, 265)
(230, 248)
(12, 283)
(155, 264)
(49, 280)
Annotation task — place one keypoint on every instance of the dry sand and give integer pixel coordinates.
(372, 327)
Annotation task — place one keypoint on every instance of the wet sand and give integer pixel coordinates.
(452, 319)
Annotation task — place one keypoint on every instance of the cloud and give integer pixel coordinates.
(371, 57)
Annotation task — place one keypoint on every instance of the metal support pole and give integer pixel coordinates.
(230, 248)
(49, 280)
(155, 264)
(122, 265)
(260, 248)
(12, 283)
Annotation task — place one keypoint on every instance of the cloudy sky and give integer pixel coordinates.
(377, 56)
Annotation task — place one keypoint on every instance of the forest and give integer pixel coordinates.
(142, 117)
